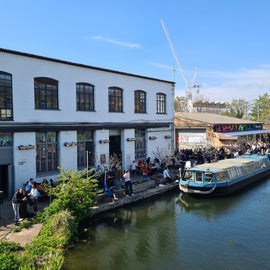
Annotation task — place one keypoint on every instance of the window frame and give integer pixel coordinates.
(87, 96)
(161, 103)
(6, 105)
(86, 143)
(42, 154)
(115, 99)
(140, 144)
(139, 101)
(50, 94)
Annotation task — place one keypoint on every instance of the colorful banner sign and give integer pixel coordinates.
(223, 128)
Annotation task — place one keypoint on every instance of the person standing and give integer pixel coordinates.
(33, 197)
(128, 183)
(17, 198)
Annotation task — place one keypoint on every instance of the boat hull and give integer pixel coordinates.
(225, 189)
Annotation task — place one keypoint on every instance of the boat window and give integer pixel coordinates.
(222, 176)
(233, 173)
(208, 177)
(189, 175)
(199, 177)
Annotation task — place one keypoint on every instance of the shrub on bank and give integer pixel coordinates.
(8, 258)
(73, 198)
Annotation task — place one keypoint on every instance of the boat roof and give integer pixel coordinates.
(226, 164)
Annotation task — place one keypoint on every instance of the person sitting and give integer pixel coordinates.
(144, 171)
(98, 170)
(134, 167)
(156, 163)
(148, 162)
(109, 189)
(140, 162)
(52, 183)
(128, 183)
(167, 176)
(111, 176)
(29, 185)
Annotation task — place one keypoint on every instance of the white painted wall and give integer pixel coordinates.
(24, 161)
(128, 148)
(68, 155)
(25, 69)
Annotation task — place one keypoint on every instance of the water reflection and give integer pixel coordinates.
(180, 232)
(128, 236)
(206, 208)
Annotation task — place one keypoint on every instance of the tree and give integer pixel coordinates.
(260, 108)
(237, 108)
(180, 104)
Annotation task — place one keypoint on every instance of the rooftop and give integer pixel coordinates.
(2, 50)
(212, 118)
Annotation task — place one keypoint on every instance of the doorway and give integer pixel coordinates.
(4, 179)
(115, 147)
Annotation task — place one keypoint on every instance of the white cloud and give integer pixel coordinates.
(161, 65)
(245, 83)
(125, 44)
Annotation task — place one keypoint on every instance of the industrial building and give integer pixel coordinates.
(54, 111)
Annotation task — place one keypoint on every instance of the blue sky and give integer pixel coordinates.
(229, 40)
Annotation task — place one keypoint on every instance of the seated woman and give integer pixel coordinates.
(109, 184)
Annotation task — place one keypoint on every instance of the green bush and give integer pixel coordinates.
(9, 246)
(25, 224)
(73, 198)
(8, 261)
(16, 229)
(76, 193)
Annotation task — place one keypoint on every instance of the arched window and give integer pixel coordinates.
(46, 93)
(115, 99)
(161, 103)
(139, 101)
(85, 97)
(6, 105)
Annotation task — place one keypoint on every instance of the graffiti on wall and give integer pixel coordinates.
(223, 128)
(187, 141)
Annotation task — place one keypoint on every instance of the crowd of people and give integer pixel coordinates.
(28, 195)
(180, 160)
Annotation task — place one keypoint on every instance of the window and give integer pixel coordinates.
(47, 159)
(85, 145)
(115, 99)
(6, 139)
(140, 101)
(85, 97)
(46, 93)
(6, 107)
(140, 148)
(161, 103)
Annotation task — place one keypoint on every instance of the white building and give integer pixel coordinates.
(52, 109)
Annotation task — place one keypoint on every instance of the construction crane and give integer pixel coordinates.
(188, 86)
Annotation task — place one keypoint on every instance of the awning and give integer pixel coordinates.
(249, 132)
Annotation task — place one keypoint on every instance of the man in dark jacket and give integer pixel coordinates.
(17, 198)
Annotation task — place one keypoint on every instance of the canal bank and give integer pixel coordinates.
(143, 189)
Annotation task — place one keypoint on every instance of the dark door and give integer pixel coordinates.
(4, 179)
(115, 146)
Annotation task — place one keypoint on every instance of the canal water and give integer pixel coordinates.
(176, 231)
